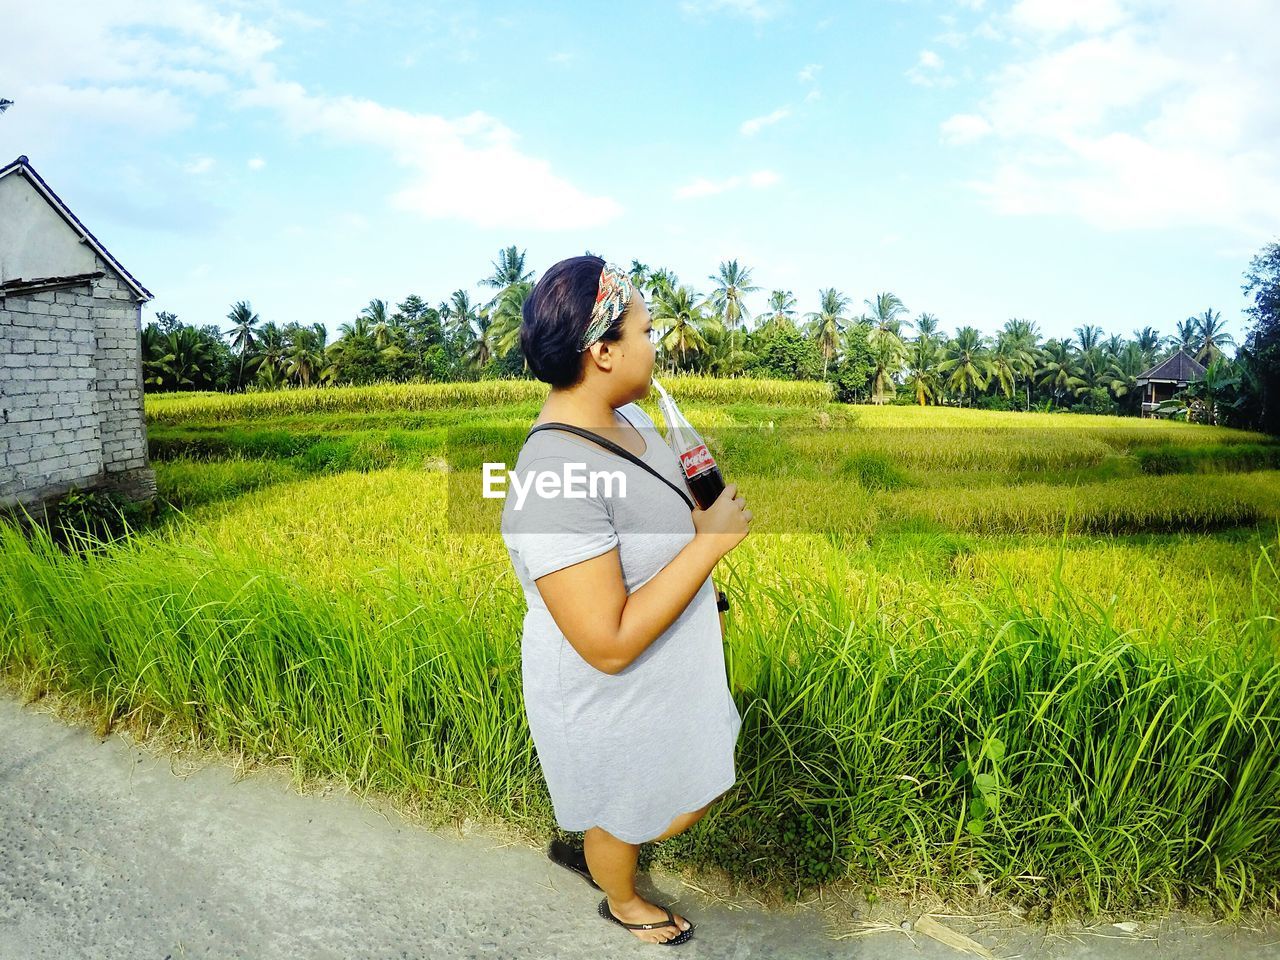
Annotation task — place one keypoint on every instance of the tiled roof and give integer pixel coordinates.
(22, 167)
(1179, 368)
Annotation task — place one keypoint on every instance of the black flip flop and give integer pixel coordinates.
(571, 858)
(682, 937)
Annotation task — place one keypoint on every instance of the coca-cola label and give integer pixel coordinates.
(696, 460)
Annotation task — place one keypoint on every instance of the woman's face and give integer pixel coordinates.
(635, 352)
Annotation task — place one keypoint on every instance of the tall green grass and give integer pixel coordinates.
(1029, 740)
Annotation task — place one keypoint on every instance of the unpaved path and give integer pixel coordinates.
(106, 852)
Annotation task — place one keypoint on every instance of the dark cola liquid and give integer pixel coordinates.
(706, 487)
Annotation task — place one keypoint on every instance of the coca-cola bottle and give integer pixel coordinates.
(700, 471)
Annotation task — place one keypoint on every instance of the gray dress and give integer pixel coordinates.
(627, 752)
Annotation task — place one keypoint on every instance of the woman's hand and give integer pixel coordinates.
(726, 522)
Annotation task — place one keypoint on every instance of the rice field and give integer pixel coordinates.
(1029, 654)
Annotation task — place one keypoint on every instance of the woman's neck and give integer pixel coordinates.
(581, 409)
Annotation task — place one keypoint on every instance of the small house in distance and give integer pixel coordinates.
(1166, 378)
(70, 354)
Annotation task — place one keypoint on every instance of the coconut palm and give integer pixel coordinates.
(1210, 336)
(640, 275)
(679, 316)
(1009, 359)
(1024, 336)
(243, 320)
(782, 308)
(460, 316)
(356, 329)
(662, 279)
(1089, 336)
(1186, 332)
(967, 367)
(1059, 371)
(508, 269)
(888, 352)
(827, 323)
(1122, 372)
(1148, 340)
(731, 282)
(927, 326)
(186, 359)
(270, 359)
(303, 360)
(508, 311)
(924, 353)
(1214, 392)
(379, 326)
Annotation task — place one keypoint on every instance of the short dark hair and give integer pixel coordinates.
(555, 316)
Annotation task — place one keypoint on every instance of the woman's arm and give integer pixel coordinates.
(608, 627)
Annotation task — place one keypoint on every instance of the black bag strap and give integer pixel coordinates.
(620, 451)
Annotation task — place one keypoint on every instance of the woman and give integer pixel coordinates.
(623, 664)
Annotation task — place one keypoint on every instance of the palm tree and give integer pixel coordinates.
(271, 356)
(375, 316)
(508, 270)
(782, 308)
(640, 275)
(681, 322)
(731, 283)
(1059, 371)
(923, 356)
(304, 358)
(357, 329)
(1024, 336)
(1210, 336)
(1148, 340)
(243, 320)
(1185, 335)
(1214, 392)
(460, 315)
(827, 323)
(507, 313)
(181, 358)
(1008, 359)
(1089, 336)
(926, 326)
(888, 351)
(662, 279)
(1122, 373)
(967, 366)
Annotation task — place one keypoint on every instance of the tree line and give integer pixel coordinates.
(876, 355)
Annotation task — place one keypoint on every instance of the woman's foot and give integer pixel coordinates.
(641, 910)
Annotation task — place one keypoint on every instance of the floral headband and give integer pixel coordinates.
(611, 299)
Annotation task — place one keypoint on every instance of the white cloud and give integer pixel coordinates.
(964, 128)
(200, 165)
(753, 126)
(153, 66)
(1134, 114)
(702, 187)
(561, 57)
(1052, 17)
(256, 163)
(927, 71)
(809, 73)
(751, 9)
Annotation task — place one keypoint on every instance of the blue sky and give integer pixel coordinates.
(1114, 162)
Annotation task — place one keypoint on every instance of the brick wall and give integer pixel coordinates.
(71, 392)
